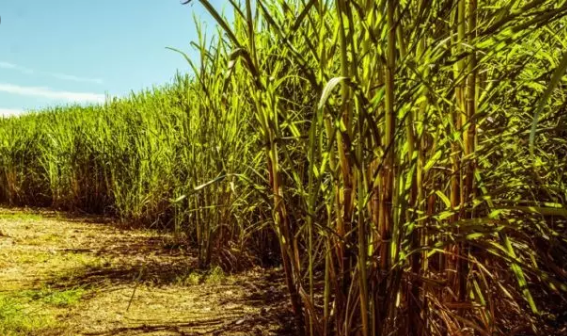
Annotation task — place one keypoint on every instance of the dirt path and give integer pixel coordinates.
(79, 276)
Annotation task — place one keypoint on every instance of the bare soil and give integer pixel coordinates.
(133, 282)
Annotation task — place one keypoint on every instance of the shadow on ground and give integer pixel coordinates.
(244, 304)
(140, 283)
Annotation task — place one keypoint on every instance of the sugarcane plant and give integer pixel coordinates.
(403, 161)
(381, 189)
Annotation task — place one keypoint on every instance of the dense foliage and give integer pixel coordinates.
(384, 144)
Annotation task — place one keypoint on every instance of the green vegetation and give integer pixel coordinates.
(15, 319)
(53, 297)
(30, 312)
(380, 147)
(214, 276)
(140, 159)
(20, 217)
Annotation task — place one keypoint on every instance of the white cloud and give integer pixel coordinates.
(6, 65)
(62, 76)
(75, 78)
(77, 97)
(10, 112)
(12, 66)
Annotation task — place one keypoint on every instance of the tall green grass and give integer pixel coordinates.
(385, 143)
(144, 159)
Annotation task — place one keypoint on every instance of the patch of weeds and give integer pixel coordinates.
(55, 298)
(66, 298)
(193, 279)
(189, 278)
(216, 276)
(21, 216)
(18, 318)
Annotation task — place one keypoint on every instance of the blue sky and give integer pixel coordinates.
(55, 52)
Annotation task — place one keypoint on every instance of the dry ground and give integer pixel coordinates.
(61, 275)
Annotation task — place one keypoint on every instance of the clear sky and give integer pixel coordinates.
(56, 52)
